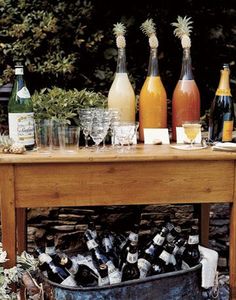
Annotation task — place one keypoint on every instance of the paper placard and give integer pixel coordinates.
(151, 135)
(181, 137)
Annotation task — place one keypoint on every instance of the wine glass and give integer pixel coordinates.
(191, 130)
(86, 116)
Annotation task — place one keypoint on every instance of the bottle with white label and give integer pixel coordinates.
(20, 112)
(130, 270)
(191, 255)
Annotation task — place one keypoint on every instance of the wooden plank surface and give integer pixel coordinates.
(123, 183)
(140, 153)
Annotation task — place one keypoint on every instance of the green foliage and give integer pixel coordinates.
(62, 106)
(48, 36)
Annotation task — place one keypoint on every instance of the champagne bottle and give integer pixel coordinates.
(130, 270)
(20, 112)
(121, 94)
(152, 251)
(221, 118)
(152, 100)
(186, 96)
(191, 255)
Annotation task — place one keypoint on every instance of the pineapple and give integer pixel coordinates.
(183, 30)
(149, 29)
(8, 146)
(119, 32)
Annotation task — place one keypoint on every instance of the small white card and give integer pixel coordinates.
(151, 135)
(181, 137)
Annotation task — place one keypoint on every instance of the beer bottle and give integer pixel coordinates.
(130, 270)
(191, 255)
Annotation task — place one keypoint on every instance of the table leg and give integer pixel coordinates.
(232, 252)
(8, 213)
(21, 229)
(204, 223)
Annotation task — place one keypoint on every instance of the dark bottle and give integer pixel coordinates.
(103, 278)
(167, 223)
(133, 237)
(191, 255)
(149, 255)
(92, 230)
(221, 119)
(50, 247)
(108, 248)
(55, 273)
(173, 234)
(178, 252)
(130, 270)
(165, 262)
(20, 112)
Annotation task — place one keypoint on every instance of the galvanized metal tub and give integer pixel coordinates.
(180, 285)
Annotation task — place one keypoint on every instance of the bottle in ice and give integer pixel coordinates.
(20, 112)
(130, 269)
(50, 247)
(221, 119)
(152, 100)
(178, 252)
(186, 96)
(165, 262)
(153, 250)
(191, 255)
(103, 275)
(121, 94)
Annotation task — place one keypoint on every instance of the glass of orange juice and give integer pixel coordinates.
(191, 130)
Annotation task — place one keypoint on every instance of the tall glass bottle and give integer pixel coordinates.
(222, 110)
(20, 112)
(186, 96)
(152, 101)
(121, 94)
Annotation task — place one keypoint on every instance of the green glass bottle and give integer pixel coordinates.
(20, 112)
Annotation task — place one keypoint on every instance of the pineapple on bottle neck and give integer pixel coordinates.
(183, 28)
(149, 29)
(119, 32)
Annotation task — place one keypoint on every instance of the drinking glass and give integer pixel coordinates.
(86, 116)
(43, 132)
(123, 132)
(69, 138)
(97, 133)
(191, 130)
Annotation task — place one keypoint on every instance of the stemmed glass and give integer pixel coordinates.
(97, 133)
(86, 116)
(123, 132)
(191, 130)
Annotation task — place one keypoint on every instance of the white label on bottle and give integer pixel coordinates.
(19, 71)
(69, 281)
(43, 257)
(144, 266)
(113, 273)
(91, 244)
(23, 93)
(181, 250)
(165, 256)
(107, 244)
(132, 257)
(193, 239)
(103, 281)
(50, 250)
(170, 238)
(133, 237)
(21, 128)
(158, 240)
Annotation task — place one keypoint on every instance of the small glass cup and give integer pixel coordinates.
(69, 138)
(43, 132)
(191, 130)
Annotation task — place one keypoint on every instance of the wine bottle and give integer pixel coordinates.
(153, 99)
(221, 118)
(149, 255)
(130, 270)
(55, 273)
(121, 94)
(165, 262)
(186, 96)
(20, 112)
(133, 237)
(191, 255)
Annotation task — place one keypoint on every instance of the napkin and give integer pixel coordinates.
(209, 259)
(228, 146)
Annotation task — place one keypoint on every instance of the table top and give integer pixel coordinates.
(139, 152)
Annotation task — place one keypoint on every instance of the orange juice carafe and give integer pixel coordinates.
(152, 100)
(121, 94)
(186, 96)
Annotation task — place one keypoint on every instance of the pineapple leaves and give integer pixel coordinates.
(183, 26)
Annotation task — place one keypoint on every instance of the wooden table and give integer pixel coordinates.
(150, 174)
